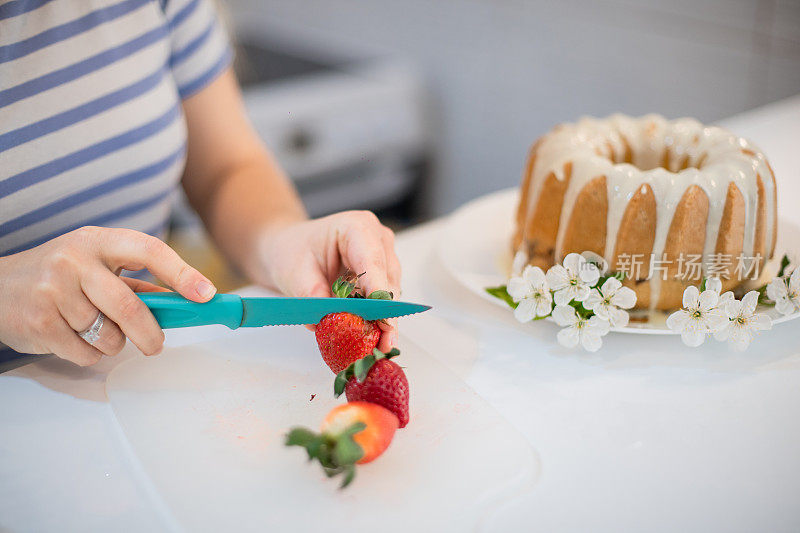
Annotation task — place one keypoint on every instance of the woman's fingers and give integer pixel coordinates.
(62, 285)
(368, 247)
(307, 258)
(65, 343)
(111, 340)
(362, 250)
(388, 338)
(80, 314)
(117, 301)
(388, 327)
(393, 269)
(133, 250)
(307, 280)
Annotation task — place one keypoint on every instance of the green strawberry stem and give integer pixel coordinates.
(360, 369)
(380, 295)
(346, 286)
(337, 453)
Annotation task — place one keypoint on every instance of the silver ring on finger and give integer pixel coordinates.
(92, 333)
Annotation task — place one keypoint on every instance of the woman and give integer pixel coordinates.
(105, 106)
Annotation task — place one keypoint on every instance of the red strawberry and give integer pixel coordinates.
(344, 338)
(377, 380)
(374, 438)
(353, 433)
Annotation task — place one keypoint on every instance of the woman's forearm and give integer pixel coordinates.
(254, 214)
(231, 180)
(251, 200)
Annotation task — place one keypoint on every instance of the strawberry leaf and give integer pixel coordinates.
(346, 451)
(349, 475)
(340, 382)
(300, 437)
(343, 287)
(346, 286)
(336, 453)
(360, 369)
(380, 295)
(394, 352)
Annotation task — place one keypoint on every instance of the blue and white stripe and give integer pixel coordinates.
(91, 124)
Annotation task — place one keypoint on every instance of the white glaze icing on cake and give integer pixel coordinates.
(667, 155)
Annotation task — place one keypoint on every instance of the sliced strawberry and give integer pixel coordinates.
(378, 380)
(353, 433)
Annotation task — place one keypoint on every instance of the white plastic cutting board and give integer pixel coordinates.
(207, 423)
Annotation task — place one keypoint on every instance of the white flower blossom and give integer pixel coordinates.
(596, 259)
(699, 316)
(714, 284)
(743, 322)
(608, 302)
(531, 292)
(724, 299)
(573, 280)
(520, 260)
(587, 332)
(785, 293)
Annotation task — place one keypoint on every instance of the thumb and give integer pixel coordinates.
(306, 281)
(316, 289)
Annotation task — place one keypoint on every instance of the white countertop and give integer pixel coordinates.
(598, 421)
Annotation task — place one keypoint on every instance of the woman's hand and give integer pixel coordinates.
(255, 215)
(305, 258)
(51, 292)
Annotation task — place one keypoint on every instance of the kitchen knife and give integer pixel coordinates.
(174, 311)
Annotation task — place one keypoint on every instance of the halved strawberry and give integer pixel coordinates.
(353, 433)
(378, 380)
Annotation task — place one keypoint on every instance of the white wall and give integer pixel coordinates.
(502, 71)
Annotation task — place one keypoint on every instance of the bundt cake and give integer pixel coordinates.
(668, 202)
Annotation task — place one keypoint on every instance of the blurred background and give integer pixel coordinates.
(411, 108)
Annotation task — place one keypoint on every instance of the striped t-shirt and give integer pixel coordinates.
(91, 126)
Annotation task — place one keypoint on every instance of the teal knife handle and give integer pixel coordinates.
(174, 311)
